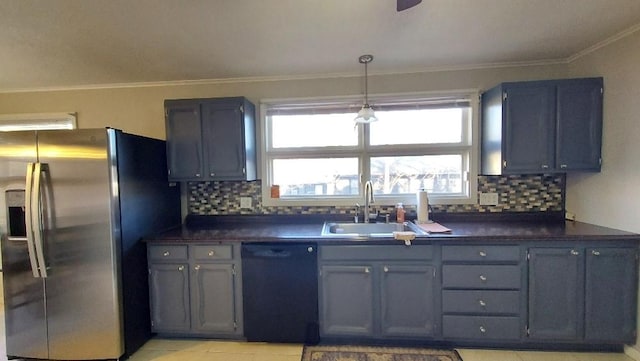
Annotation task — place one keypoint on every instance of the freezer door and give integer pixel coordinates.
(25, 317)
(80, 216)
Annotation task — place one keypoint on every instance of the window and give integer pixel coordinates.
(37, 121)
(317, 156)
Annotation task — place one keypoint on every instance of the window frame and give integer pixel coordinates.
(37, 121)
(364, 152)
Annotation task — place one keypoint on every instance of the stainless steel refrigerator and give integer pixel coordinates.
(77, 205)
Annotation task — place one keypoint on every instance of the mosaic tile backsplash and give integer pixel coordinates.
(517, 193)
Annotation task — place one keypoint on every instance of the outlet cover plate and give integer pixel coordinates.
(246, 202)
(489, 199)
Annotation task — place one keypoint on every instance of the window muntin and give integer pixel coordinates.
(434, 135)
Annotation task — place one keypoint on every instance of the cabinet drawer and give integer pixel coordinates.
(212, 252)
(481, 253)
(481, 276)
(167, 252)
(493, 302)
(377, 252)
(480, 327)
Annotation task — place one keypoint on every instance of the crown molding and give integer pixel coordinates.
(605, 42)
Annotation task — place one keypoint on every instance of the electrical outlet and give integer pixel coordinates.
(245, 202)
(489, 199)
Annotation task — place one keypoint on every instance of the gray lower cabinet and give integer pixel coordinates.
(201, 294)
(169, 295)
(407, 300)
(481, 293)
(583, 294)
(377, 292)
(347, 300)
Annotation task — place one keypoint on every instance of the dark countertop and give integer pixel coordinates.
(308, 228)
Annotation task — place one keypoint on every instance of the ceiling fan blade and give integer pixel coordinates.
(405, 4)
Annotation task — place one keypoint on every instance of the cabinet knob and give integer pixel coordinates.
(563, 166)
(482, 253)
(482, 303)
(482, 329)
(595, 253)
(386, 269)
(367, 270)
(574, 252)
(181, 268)
(545, 166)
(310, 249)
(211, 253)
(212, 174)
(483, 278)
(197, 174)
(166, 254)
(197, 267)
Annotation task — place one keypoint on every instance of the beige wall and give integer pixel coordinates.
(612, 197)
(140, 110)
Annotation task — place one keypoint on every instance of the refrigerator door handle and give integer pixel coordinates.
(36, 207)
(29, 220)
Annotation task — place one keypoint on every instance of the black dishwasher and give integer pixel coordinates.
(280, 292)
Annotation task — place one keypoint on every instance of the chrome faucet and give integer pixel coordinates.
(368, 201)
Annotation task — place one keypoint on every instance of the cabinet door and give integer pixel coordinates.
(184, 145)
(169, 289)
(555, 293)
(224, 142)
(407, 301)
(213, 300)
(529, 128)
(347, 300)
(610, 297)
(579, 124)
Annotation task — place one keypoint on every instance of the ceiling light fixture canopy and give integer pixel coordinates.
(366, 114)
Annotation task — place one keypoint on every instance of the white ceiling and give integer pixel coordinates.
(72, 43)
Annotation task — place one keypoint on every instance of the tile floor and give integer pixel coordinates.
(207, 350)
(175, 350)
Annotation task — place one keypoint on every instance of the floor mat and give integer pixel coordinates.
(366, 353)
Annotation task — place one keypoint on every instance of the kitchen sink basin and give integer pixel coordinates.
(367, 229)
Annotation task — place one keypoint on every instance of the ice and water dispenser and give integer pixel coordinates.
(15, 203)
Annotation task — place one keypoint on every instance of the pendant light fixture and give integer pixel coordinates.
(366, 114)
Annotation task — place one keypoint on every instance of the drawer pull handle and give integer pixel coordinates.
(595, 253)
(574, 252)
(197, 267)
(166, 254)
(482, 303)
(181, 268)
(367, 270)
(482, 329)
(483, 278)
(482, 254)
(211, 253)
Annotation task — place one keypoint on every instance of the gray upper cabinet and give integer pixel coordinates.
(211, 139)
(583, 294)
(542, 126)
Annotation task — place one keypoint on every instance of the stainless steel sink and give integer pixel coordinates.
(333, 229)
